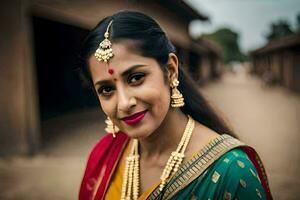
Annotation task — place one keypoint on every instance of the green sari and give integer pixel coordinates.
(224, 169)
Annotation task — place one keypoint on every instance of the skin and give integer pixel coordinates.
(143, 87)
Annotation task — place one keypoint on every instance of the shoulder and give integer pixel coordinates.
(235, 162)
(101, 159)
(103, 146)
(234, 175)
(107, 141)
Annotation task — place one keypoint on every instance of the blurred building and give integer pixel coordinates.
(279, 60)
(211, 65)
(39, 70)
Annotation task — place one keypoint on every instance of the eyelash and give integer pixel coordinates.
(101, 90)
(138, 76)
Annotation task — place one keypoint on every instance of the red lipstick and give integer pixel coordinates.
(135, 118)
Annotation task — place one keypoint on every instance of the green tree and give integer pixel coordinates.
(228, 41)
(279, 29)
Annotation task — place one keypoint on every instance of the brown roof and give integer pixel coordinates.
(183, 9)
(281, 43)
(207, 47)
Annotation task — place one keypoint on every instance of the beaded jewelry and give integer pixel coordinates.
(130, 187)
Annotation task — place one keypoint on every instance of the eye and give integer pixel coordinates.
(105, 90)
(136, 79)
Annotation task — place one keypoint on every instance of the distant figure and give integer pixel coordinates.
(235, 67)
(164, 141)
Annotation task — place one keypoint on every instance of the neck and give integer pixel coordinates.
(166, 138)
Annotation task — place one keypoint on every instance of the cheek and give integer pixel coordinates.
(159, 98)
(163, 102)
(107, 107)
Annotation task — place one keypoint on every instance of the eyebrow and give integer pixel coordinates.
(123, 74)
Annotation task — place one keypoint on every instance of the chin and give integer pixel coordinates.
(135, 134)
(138, 132)
(143, 129)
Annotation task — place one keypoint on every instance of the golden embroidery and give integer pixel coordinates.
(226, 196)
(235, 154)
(193, 197)
(208, 156)
(264, 176)
(253, 173)
(258, 179)
(241, 164)
(243, 183)
(215, 177)
(226, 160)
(258, 193)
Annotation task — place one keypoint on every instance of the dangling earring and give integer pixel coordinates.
(110, 127)
(177, 99)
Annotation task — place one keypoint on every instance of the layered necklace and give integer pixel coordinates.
(130, 187)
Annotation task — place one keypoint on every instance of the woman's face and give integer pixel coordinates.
(132, 91)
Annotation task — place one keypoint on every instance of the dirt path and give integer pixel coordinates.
(56, 172)
(266, 118)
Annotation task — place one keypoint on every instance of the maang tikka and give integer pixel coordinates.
(104, 52)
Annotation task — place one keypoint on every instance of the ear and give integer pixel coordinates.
(172, 67)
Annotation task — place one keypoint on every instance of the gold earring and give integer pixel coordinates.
(177, 99)
(110, 127)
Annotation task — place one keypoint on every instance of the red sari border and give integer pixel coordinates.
(255, 159)
(100, 166)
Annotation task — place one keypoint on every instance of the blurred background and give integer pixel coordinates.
(243, 54)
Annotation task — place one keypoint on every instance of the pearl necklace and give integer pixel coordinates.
(130, 187)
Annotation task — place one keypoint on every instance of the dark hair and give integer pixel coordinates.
(151, 41)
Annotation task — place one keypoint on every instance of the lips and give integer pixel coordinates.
(135, 118)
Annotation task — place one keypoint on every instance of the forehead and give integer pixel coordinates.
(124, 58)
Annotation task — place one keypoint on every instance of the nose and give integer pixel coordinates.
(126, 102)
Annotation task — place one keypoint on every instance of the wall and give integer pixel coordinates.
(19, 118)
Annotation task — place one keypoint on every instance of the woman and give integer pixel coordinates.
(164, 141)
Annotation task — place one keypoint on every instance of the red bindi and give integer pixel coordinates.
(110, 71)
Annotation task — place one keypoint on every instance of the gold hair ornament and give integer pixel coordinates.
(104, 52)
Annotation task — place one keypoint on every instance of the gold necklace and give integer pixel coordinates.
(130, 187)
